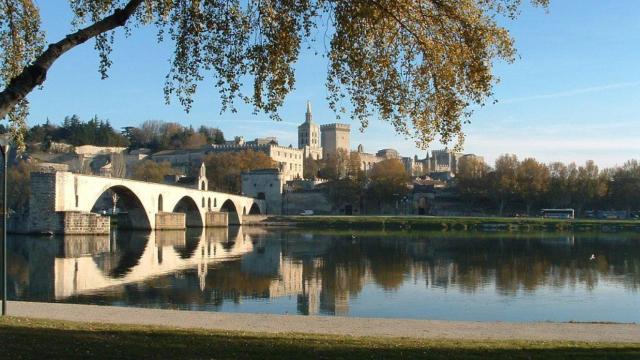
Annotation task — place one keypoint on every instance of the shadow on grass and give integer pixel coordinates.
(66, 340)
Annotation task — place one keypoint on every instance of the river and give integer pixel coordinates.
(484, 276)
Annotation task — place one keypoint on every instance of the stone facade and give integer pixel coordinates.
(85, 223)
(296, 202)
(216, 219)
(183, 159)
(333, 138)
(288, 159)
(42, 204)
(171, 221)
(309, 137)
(444, 160)
(267, 184)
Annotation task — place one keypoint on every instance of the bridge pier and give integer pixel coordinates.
(216, 219)
(77, 222)
(171, 221)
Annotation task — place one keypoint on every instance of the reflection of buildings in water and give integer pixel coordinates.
(323, 274)
(334, 299)
(291, 281)
(162, 253)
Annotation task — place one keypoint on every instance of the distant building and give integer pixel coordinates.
(239, 140)
(413, 166)
(198, 181)
(444, 160)
(334, 137)
(183, 159)
(288, 159)
(265, 184)
(309, 137)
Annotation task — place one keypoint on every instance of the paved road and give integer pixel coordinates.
(270, 323)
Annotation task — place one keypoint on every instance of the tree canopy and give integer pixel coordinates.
(417, 64)
(224, 170)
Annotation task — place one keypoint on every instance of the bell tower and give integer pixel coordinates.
(203, 183)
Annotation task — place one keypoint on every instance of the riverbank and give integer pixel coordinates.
(453, 223)
(68, 330)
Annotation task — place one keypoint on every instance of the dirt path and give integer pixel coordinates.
(269, 323)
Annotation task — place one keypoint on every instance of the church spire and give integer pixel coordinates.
(308, 114)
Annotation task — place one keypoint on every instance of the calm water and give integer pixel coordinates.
(434, 275)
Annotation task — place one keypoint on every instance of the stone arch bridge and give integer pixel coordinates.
(64, 202)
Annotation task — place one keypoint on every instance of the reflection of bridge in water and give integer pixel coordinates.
(94, 265)
(257, 268)
(164, 252)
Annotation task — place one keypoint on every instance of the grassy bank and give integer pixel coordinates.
(454, 223)
(25, 338)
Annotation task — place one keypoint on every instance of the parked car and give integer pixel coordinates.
(306, 212)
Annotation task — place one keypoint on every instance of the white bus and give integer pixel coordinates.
(558, 213)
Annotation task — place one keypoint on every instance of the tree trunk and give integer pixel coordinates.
(34, 75)
(500, 207)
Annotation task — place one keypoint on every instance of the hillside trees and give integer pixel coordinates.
(503, 181)
(532, 182)
(625, 186)
(160, 135)
(18, 178)
(557, 185)
(348, 188)
(424, 61)
(151, 171)
(224, 169)
(472, 180)
(76, 132)
(587, 186)
(388, 182)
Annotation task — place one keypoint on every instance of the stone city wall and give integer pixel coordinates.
(296, 202)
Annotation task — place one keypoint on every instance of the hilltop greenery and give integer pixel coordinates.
(155, 135)
(74, 131)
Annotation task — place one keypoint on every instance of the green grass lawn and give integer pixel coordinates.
(22, 338)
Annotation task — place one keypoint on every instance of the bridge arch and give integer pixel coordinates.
(129, 209)
(230, 208)
(255, 209)
(189, 207)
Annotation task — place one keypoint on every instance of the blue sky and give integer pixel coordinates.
(573, 94)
